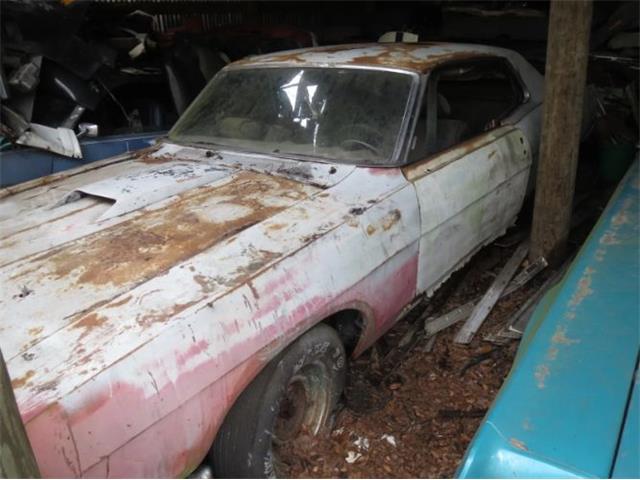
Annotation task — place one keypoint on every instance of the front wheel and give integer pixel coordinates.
(296, 394)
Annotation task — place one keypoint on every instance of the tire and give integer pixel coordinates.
(296, 393)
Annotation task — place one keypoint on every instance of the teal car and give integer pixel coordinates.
(570, 406)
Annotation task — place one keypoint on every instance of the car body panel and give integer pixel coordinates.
(120, 303)
(564, 406)
(147, 290)
(458, 191)
(627, 463)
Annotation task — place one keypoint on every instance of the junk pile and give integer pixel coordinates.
(74, 69)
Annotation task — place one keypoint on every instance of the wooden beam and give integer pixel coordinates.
(484, 306)
(434, 324)
(565, 76)
(16, 456)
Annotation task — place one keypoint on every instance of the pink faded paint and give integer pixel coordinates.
(193, 350)
(176, 443)
(386, 293)
(53, 444)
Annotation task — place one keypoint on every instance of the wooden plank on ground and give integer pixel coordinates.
(484, 306)
(434, 325)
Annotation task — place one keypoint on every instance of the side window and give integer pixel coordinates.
(462, 101)
(474, 98)
(418, 145)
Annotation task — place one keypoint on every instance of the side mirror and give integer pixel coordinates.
(87, 130)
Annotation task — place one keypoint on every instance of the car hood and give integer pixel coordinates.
(150, 188)
(86, 239)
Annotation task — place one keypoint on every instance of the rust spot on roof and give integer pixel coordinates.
(401, 57)
(410, 56)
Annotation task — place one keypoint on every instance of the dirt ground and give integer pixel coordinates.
(411, 411)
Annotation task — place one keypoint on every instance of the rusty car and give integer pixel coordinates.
(198, 300)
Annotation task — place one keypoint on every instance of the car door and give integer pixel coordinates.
(469, 171)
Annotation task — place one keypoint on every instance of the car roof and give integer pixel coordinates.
(417, 57)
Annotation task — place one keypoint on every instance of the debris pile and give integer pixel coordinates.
(87, 68)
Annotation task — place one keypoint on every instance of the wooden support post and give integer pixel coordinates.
(16, 456)
(567, 55)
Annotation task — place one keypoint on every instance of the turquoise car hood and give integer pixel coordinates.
(570, 405)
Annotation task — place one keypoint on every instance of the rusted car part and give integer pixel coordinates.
(153, 288)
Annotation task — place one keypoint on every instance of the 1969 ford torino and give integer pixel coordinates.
(199, 299)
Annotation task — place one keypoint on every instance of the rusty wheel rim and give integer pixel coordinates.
(303, 410)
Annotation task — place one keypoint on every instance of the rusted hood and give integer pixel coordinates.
(73, 248)
(153, 188)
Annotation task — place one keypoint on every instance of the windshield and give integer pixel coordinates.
(345, 115)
